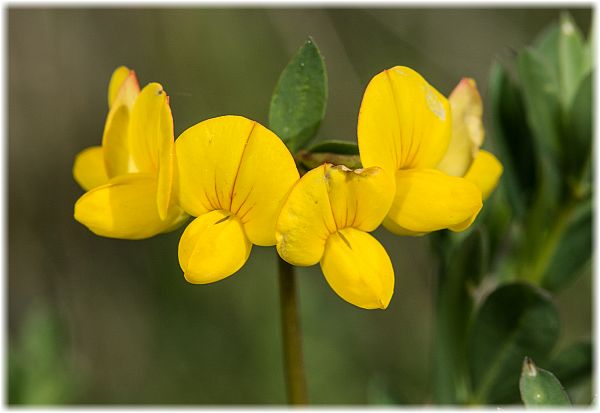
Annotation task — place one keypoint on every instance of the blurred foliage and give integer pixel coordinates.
(40, 372)
(132, 331)
(538, 228)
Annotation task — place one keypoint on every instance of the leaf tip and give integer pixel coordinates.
(529, 367)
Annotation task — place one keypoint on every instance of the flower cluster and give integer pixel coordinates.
(422, 171)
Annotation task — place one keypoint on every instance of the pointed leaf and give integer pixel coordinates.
(300, 97)
(539, 387)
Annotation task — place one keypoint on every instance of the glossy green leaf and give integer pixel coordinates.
(300, 97)
(573, 364)
(335, 146)
(516, 320)
(541, 388)
(574, 251)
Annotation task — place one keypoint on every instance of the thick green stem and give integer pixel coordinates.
(292, 341)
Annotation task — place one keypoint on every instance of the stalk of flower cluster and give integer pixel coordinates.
(292, 336)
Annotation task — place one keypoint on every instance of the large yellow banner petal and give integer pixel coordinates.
(305, 221)
(208, 158)
(359, 198)
(403, 122)
(266, 174)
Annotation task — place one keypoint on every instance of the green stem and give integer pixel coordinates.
(547, 250)
(292, 341)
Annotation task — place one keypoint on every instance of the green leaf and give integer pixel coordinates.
(539, 387)
(463, 262)
(516, 320)
(335, 146)
(514, 138)
(578, 134)
(300, 97)
(574, 363)
(541, 98)
(574, 250)
(573, 59)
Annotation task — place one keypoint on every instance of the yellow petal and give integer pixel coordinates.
(213, 247)
(123, 87)
(485, 172)
(428, 200)
(359, 198)
(326, 199)
(115, 142)
(467, 129)
(305, 221)
(238, 165)
(266, 174)
(88, 168)
(122, 93)
(166, 161)
(358, 269)
(147, 134)
(125, 207)
(208, 158)
(403, 122)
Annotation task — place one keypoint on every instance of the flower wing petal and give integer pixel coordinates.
(166, 161)
(403, 122)
(123, 87)
(467, 128)
(145, 132)
(305, 221)
(122, 93)
(427, 200)
(358, 269)
(213, 247)
(485, 172)
(88, 168)
(125, 208)
(208, 158)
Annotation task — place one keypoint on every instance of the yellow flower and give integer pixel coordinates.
(233, 176)
(404, 126)
(463, 157)
(326, 218)
(129, 179)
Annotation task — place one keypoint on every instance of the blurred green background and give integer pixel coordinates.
(94, 320)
